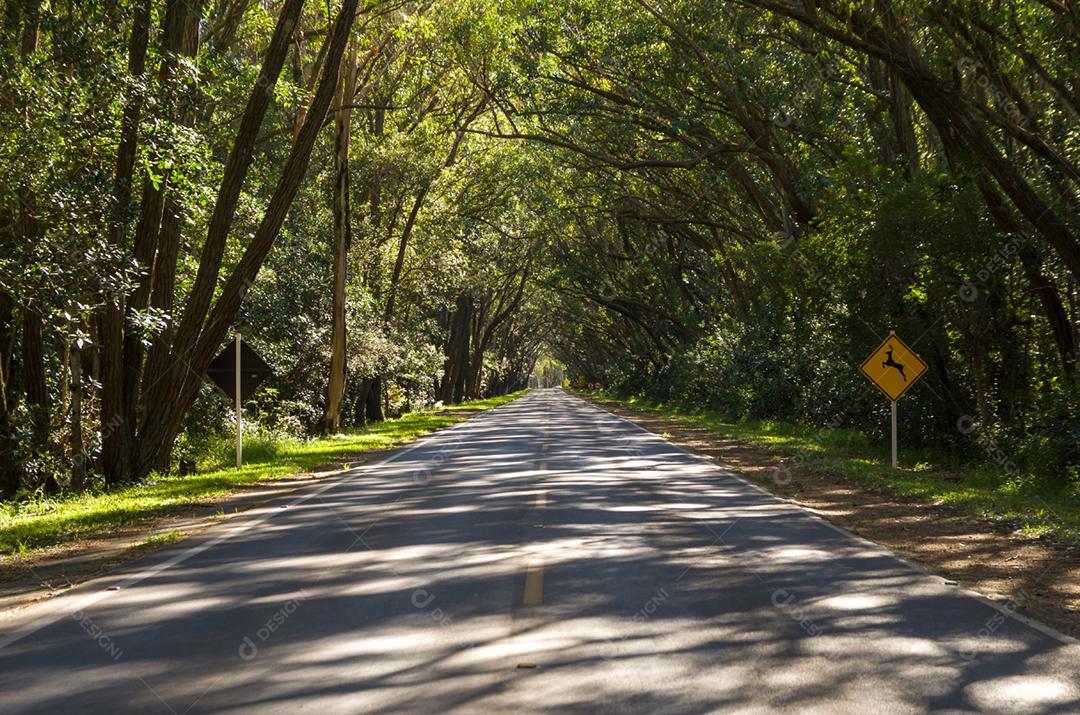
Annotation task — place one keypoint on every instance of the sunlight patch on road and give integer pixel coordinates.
(533, 645)
(1022, 692)
(797, 553)
(857, 601)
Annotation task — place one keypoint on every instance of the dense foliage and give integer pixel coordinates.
(765, 189)
(404, 202)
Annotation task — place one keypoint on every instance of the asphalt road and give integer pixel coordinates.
(542, 557)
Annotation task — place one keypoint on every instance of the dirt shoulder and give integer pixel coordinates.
(1040, 577)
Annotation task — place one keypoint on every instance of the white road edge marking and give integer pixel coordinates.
(62, 606)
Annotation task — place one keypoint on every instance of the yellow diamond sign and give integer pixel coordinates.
(893, 367)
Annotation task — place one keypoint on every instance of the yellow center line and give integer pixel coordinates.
(534, 583)
(534, 569)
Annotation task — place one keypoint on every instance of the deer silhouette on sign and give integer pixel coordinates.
(892, 363)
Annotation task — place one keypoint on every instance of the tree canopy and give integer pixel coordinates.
(405, 202)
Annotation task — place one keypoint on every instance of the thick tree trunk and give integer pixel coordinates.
(477, 343)
(359, 407)
(33, 349)
(505, 308)
(335, 389)
(33, 361)
(117, 420)
(461, 359)
(457, 351)
(28, 230)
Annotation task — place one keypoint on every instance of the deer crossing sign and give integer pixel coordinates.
(893, 367)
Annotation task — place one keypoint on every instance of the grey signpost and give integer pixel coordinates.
(240, 412)
(238, 371)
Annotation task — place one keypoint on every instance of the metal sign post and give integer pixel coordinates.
(894, 434)
(240, 414)
(893, 368)
(238, 371)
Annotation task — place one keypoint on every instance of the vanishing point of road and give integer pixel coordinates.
(545, 556)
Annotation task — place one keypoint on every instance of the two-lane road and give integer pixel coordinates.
(542, 557)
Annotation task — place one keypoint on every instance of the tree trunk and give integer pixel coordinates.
(457, 350)
(359, 406)
(236, 169)
(78, 451)
(117, 420)
(335, 390)
(33, 349)
(373, 408)
(461, 369)
(476, 342)
(986, 416)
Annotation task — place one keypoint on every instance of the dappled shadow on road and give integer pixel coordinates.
(1042, 575)
(666, 587)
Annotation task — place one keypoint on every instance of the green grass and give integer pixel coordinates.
(980, 489)
(163, 538)
(27, 527)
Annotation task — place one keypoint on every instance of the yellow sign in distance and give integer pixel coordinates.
(893, 367)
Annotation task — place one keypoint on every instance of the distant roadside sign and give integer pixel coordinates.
(253, 371)
(238, 371)
(893, 367)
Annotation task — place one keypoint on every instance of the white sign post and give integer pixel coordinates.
(894, 434)
(239, 414)
(243, 369)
